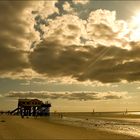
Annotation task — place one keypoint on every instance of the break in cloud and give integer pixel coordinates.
(100, 48)
(18, 33)
(80, 1)
(68, 8)
(44, 8)
(68, 95)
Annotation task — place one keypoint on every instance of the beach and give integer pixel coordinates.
(16, 128)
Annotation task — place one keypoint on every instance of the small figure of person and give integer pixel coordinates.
(22, 115)
(93, 111)
(61, 115)
(36, 114)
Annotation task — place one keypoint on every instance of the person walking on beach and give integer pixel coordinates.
(61, 115)
(22, 113)
(22, 116)
(93, 111)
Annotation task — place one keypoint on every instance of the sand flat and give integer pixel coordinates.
(16, 128)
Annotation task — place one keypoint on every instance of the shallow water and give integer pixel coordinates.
(107, 122)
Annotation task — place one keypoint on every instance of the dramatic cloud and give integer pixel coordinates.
(96, 50)
(68, 95)
(17, 33)
(66, 29)
(67, 7)
(59, 58)
(104, 64)
(45, 8)
(103, 28)
(100, 48)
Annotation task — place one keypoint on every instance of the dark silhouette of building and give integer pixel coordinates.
(32, 107)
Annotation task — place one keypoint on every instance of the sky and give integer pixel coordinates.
(79, 55)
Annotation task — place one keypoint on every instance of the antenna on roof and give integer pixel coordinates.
(30, 79)
(30, 83)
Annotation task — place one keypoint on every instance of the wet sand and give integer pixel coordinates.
(16, 128)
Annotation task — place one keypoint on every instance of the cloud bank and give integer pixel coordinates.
(87, 95)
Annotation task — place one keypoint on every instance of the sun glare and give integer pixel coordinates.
(136, 19)
(135, 32)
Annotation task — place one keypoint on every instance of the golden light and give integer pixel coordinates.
(135, 35)
(136, 19)
(135, 32)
